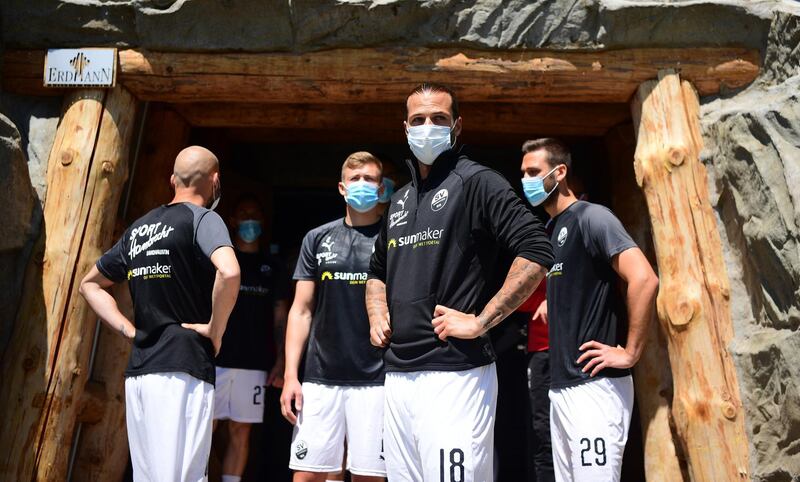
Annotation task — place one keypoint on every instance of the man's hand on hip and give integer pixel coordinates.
(449, 322)
(205, 330)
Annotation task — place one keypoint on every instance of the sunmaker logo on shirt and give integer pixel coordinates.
(556, 270)
(352, 278)
(429, 237)
(156, 271)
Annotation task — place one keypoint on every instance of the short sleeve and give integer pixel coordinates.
(306, 268)
(603, 233)
(211, 233)
(377, 263)
(510, 222)
(113, 264)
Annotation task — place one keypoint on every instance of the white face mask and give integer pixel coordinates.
(428, 141)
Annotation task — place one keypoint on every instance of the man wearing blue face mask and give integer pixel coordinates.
(436, 287)
(591, 389)
(250, 363)
(341, 395)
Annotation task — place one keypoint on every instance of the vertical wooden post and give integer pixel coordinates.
(693, 305)
(47, 368)
(102, 452)
(652, 373)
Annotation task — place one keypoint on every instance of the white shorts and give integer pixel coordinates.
(439, 426)
(331, 414)
(169, 426)
(589, 427)
(240, 395)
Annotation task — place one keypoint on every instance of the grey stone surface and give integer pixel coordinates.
(304, 25)
(753, 157)
(18, 201)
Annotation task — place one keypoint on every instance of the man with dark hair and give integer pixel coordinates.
(250, 362)
(341, 396)
(184, 279)
(436, 287)
(591, 390)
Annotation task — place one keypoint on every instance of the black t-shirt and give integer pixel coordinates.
(336, 257)
(449, 240)
(249, 340)
(165, 256)
(583, 303)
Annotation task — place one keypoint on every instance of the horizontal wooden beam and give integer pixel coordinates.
(541, 119)
(348, 76)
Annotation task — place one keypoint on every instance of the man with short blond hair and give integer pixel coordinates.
(341, 395)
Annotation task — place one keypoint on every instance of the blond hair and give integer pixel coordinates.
(361, 158)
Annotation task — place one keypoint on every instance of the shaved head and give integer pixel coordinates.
(194, 165)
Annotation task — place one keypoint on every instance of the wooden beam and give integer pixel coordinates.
(652, 375)
(45, 381)
(387, 75)
(693, 302)
(102, 451)
(542, 119)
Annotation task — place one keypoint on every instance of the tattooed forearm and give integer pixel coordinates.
(377, 307)
(522, 279)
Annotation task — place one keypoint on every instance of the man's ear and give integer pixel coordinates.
(457, 127)
(561, 172)
(342, 189)
(172, 182)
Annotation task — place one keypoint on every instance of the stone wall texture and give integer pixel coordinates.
(752, 137)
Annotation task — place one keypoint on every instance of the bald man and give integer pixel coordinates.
(184, 279)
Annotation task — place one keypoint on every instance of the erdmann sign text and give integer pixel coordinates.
(87, 67)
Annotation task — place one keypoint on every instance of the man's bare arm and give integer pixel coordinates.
(641, 289)
(223, 296)
(522, 279)
(93, 288)
(378, 311)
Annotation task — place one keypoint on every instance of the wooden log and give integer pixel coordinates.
(387, 75)
(693, 305)
(652, 375)
(102, 452)
(87, 167)
(544, 119)
(98, 203)
(29, 361)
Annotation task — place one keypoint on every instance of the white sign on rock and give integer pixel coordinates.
(87, 67)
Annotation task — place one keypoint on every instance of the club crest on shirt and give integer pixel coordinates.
(439, 200)
(562, 236)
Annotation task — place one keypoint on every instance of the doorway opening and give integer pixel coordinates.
(293, 168)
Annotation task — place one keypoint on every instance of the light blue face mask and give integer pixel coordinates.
(388, 190)
(362, 195)
(534, 188)
(249, 230)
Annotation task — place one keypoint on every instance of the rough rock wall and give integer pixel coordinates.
(301, 25)
(27, 131)
(753, 155)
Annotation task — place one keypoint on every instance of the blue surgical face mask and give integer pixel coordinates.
(534, 188)
(361, 195)
(388, 190)
(428, 141)
(249, 230)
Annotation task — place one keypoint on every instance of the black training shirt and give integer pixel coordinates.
(165, 256)
(583, 303)
(336, 257)
(442, 243)
(249, 340)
